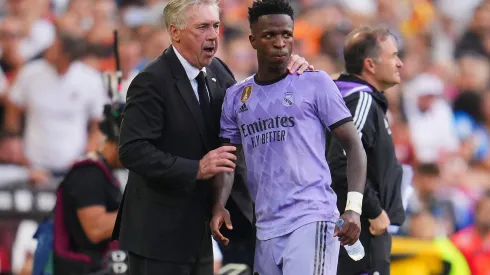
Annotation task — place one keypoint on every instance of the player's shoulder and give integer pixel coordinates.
(318, 75)
(240, 86)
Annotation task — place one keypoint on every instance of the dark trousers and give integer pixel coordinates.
(139, 265)
(377, 258)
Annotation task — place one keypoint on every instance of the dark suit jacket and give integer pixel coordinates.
(165, 211)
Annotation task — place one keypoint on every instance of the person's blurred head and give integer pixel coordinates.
(105, 12)
(480, 18)
(474, 73)
(272, 25)
(130, 54)
(70, 23)
(65, 49)
(11, 31)
(426, 88)
(423, 226)
(100, 46)
(156, 42)
(470, 102)
(427, 179)
(482, 214)
(372, 54)
(18, 7)
(193, 26)
(240, 57)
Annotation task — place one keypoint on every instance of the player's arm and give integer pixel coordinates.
(336, 116)
(346, 134)
(223, 182)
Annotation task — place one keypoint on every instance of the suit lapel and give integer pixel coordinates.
(185, 89)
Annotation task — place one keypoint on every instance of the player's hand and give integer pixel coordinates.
(379, 225)
(221, 160)
(298, 64)
(220, 216)
(351, 230)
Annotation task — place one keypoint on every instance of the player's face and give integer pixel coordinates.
(387, 69)
(199, 39)
(272, 37)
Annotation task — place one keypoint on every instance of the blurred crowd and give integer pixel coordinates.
(57, 67)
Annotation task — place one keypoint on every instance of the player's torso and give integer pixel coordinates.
(276, 116)
(284, 143)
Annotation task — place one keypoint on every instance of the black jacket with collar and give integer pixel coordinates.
(384, 173)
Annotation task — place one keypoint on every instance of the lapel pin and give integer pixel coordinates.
(213, 79)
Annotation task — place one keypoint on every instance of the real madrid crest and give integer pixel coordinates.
(288, 99)
(246, 93)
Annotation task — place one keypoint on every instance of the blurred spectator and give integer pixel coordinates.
(430, 119)
(474, 241)
(57, 110)
(34, 37)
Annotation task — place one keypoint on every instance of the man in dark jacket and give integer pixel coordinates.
(372, 66)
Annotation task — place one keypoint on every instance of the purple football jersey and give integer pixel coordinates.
(281, 127)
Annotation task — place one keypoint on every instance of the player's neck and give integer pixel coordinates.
(269, 75)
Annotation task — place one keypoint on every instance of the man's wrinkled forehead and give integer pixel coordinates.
(202, 14)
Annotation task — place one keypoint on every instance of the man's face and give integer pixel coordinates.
(387, 69)
(272, 37)
(199, 38)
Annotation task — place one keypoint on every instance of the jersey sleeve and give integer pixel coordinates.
(230, 133)
(86, 187)
(331, 107)
(364, 117)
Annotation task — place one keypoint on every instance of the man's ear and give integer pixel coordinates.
(370, 65)
(252, 40)
(175, 33)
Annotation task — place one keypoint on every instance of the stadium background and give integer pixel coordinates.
(439, 116)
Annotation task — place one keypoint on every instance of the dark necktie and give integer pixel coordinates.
(202, 92)
(204, 103)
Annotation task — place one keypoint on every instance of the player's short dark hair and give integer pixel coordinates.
(363, 42)
(267, 7)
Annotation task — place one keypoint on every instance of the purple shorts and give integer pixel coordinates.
(309, 250)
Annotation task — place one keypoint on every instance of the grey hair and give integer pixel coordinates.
(175, 11)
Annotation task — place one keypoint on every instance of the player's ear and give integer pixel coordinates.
(251, 38)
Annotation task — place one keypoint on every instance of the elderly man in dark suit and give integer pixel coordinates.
(169, 142)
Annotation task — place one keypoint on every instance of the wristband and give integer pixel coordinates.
(354, 202)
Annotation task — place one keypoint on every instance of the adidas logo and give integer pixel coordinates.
(243, 108)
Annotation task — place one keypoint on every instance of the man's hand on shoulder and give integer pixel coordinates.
(379, 225)
(298, 64)
(221, 160)
(220, 216)
(351, 230)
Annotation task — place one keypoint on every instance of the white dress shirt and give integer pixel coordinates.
(191, 71)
